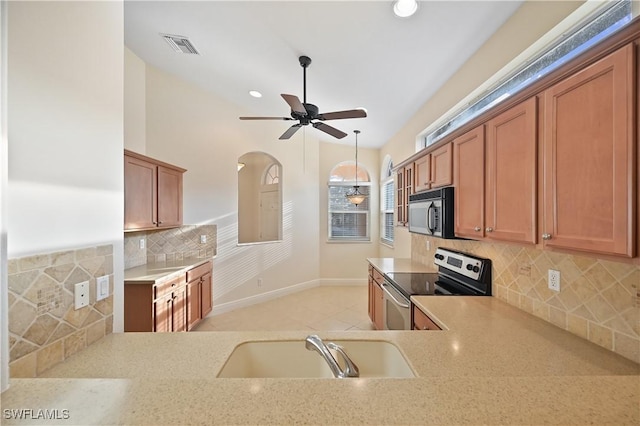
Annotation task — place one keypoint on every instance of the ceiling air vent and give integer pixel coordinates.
(180, 44)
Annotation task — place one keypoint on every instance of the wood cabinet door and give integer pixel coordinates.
(468, 179)
(169, 197)
(441, 167)
(206, 287)
(140, 179)
(400, 206)
(589, 158)
(377, 308)
(422, 173)
(371, 299)
(510, 201)
(179, 309)
(193, 303)
(162, 314)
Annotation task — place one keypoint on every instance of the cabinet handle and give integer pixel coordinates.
(477, 229)
(546, 236)
(159, 223)
(489, 229)
(155, 223)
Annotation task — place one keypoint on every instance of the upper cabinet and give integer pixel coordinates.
(511, 177)
(468, 179)
(404, 182)
(152, 193)
(589, 158)
(434, 169)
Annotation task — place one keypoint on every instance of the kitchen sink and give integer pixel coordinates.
(290, 358)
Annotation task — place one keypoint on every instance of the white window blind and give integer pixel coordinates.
(387, 209)
(348, 221)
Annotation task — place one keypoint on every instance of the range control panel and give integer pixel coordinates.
(461, 263)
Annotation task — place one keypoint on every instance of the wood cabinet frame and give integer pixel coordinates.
(152, 193)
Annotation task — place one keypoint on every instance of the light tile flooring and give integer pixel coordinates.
(335, 308)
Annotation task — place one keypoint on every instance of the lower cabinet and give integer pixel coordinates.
(375, 298)
(172, 305)
(421, 321)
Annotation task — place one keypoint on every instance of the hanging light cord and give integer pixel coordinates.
(356, 132)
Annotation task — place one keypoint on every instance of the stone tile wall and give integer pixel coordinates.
(44, 327)
(599, 300)
(169, 244)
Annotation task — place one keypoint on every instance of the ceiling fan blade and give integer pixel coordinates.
(338, 115)
(290, 131)
(330, 130)
(294, 103)
(266, 118)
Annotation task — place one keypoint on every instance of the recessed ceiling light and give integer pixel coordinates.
(255, 93)
(405, 8)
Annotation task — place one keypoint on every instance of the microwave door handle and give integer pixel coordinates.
(429, 216)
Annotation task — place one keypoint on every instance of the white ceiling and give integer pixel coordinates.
(363, 56)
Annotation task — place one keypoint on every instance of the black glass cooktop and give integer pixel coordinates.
(427, 284)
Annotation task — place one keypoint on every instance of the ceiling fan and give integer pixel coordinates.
(306, 113)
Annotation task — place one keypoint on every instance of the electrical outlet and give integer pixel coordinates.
(259, 282)
(102, 287)
(554, 280)
(203, 239)
(428, 245)
(141, 243)
(81, 295)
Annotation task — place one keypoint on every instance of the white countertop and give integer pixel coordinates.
(493, 365)
(152, 272)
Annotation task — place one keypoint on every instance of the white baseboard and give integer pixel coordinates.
(263, 297)
(343, 281)
(270, 295)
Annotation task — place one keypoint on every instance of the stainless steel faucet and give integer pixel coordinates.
(314, 342)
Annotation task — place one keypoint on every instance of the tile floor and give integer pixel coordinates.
(334, 308)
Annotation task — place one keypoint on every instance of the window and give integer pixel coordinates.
(569, 46)
(348, 222)
(386, 202)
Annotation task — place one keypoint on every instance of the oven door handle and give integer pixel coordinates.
(397, 302)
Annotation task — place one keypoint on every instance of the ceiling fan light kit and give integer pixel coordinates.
(307, 113)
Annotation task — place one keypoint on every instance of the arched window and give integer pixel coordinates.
(387, 201)
(348, 222)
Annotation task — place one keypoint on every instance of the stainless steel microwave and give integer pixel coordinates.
(431, 213)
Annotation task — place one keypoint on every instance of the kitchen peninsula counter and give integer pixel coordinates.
(493, 364)
(152, 272)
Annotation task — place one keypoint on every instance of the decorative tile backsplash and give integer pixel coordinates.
(599, 300)
(44, 327)
(169, 244)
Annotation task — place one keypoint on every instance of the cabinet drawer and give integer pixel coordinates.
(422, 322)
(377, 276)
(198, 271)
(166, 287)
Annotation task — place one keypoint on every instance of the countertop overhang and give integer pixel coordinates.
(505, 367)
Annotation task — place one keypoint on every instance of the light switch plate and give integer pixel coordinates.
(81, 295)
(102, 287)
(203, 239)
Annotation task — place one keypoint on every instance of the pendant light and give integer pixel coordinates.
(354, 195)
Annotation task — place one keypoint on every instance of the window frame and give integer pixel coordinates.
(367, 213)
(387, 179)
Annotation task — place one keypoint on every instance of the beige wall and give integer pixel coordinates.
(194, 129)
(65, 139)
(342, 262)
(135, 134)
(531, 21)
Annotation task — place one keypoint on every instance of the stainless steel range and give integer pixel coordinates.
(459, 274)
